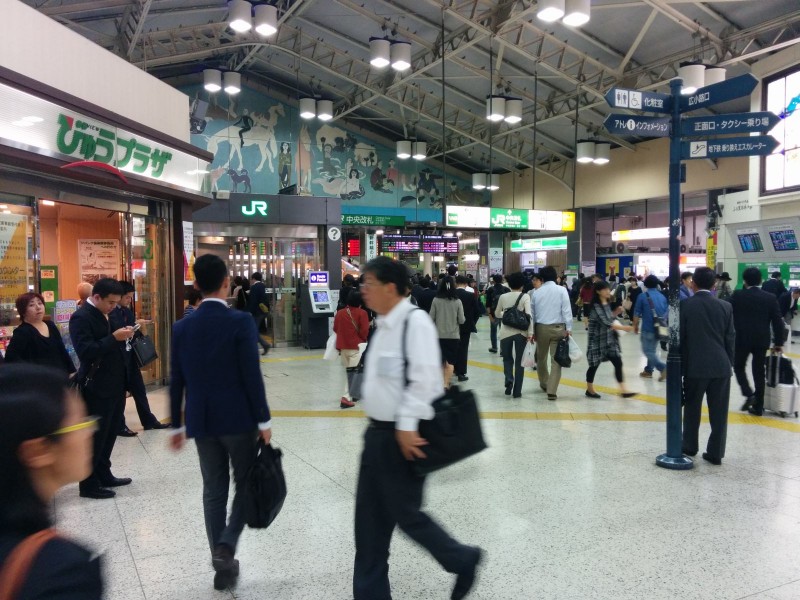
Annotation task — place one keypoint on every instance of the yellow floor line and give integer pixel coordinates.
(292, 358)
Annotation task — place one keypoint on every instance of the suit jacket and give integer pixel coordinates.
(214, 360)
(787, 304)
(753, 312)
(90, 332)
(707, 337)
(774, 287)
(471, 310)
(258, 295)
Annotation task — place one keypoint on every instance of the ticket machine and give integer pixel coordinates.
(316, 308)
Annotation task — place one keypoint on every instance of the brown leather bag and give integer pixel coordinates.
(18, 564)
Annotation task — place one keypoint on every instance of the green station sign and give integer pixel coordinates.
(508, 218)
(532, 244)
(374, 220)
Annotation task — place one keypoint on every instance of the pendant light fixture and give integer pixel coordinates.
(576, 13)
(400, 53)
(266, 19)
(513, 113)
(232, 82)
(602, 153)
(308, 108)
(495, 108)
(239, 17)
(585, 151)
(404, 149)
(550, 10)
(324, 110)
(478, 181)
(380, 52)
(493, 182)
(693, 75)
(419, 150)
(714, 74)
(212, 80)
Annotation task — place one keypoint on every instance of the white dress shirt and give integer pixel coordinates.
(551, 305)
(385, 395)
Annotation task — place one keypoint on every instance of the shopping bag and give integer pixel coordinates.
(529, 356)
(331, 353)
(265, 487)
(562, 354)
(575, 352)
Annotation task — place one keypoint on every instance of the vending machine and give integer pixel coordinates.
(316, 308)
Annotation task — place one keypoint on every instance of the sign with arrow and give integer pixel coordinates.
(758, 145)
(717, 93)
(636, 100)
(619, 124)
(755, 122)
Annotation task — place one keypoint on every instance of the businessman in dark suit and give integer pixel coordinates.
(470, 303)
(774, 285)
(257, 299)
(754, 312)
(214, 360)
(707, 340)
(104, 369)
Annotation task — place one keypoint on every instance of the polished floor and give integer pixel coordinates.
(567, 500)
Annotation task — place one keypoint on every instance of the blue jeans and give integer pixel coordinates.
(493, 333)
(650, 349)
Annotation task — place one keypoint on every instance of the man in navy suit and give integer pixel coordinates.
(215, 362)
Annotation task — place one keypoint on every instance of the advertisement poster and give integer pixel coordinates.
(188, 253)
(48, 276)
(98, 259)
(61, 314)
(711, 251)
(13, 261)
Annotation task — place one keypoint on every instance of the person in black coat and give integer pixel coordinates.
(788, 307)
(46, 444)
(754, 312)
(707, 342)
(774, 285)
(104, 376)
(256, 303)
(36, 340)
(471, 313)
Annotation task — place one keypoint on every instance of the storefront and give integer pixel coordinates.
(85, 194)
(281, 237)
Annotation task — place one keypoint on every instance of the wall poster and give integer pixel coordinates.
(13, 262)
(98, 259)
(188, 253)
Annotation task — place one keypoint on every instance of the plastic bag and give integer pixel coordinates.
(575, 352)
(529, 356)
(331, 353)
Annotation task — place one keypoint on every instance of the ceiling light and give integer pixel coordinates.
(469, 241)
(308, 108)
(239, 16)
(693, 75)
(379, 232)
(380, 52)
(550, 10)
(404, 149)
(324, 110)
(400, 53)
(232, 82)
(22, 123)
(513, 110)
(266, 19)
(479, 181)
(714, 74)
(493, 182)
(495, 108)
(577, 13)
(602, 153)
(471, 257)
(33, 119)
(48, 203)
(212, 80)
(419, 150)
(585, 152)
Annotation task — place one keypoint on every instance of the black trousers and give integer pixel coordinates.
(758, 366)
(463, 352)
(614, 360)
(139, 392)
(717, 393)
(259, 319)
(390, 494)
(512, 362)
(109, 408)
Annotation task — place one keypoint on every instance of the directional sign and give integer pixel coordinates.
(635, 100)
(755, 122)
(719, 92)
(757, 145)
(635, 125)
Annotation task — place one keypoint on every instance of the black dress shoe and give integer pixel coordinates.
(748, 403)
(509, 385)
(126, 432)
(463, 378)
(712, 459)
(97, 493)
(592, 394)
(756, 411)
(265, 349)
(466, 579)
(116, 481)
(687, 453)
(157, 425)
(493, 350)
(227, 578)
(517, 396)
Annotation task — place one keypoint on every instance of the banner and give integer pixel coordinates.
(98, 259)
(13, 261)
(188, 253)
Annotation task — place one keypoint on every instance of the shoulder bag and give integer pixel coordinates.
(17, 565)
(662, 330)
(515, 318)
(454, 433)
(265, 487)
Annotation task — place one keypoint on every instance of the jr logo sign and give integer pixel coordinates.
(256, 207)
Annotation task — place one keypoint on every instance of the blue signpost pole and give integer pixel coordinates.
(674, 459)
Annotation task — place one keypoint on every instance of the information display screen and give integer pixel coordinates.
(439, 244)
(751, 242)
(320, 296)
(400, 243)
(353, 247)
(784, 240)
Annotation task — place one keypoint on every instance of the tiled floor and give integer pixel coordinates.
(566, 501)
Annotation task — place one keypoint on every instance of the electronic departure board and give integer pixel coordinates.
(400, 243)
(784, 240)
(751, 242)
(439, 244)
(353, 247)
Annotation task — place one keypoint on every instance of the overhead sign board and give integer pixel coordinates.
(524, 245)
(755, 122)
(472, 217)
(653, 233)
(508, 218)
(716, 93)
(374, 220)
(318, 278)
(636, 100)
(757, 145)
(619, 124)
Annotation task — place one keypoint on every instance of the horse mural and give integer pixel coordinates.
(261, 136)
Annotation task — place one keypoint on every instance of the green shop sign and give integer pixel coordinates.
(554, 243)
(374, 220)
(508, 218)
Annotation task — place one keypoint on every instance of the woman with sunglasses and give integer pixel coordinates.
(45, 443)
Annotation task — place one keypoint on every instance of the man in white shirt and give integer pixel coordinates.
(552, 315)
(402, 378)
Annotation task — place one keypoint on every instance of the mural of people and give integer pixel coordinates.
(285, 164)
(378, 180)
(353, 190)
(246, 122)
(304, 160)
(426, 188)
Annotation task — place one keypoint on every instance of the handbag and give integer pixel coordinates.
(144, 350)
(18, 564)
(662, 330)
(81, 383)
(455, 431)
(516, 318)
(265, 487)
(562, 353)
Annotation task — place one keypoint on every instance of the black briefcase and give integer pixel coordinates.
(144, 350)
(265, 487)
(453, 434)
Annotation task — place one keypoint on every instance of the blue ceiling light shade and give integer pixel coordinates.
(577, 12)
(266, 19)
(380, 52)
(239, 17)
(550, 10)
(212, 80)
(400, 53)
